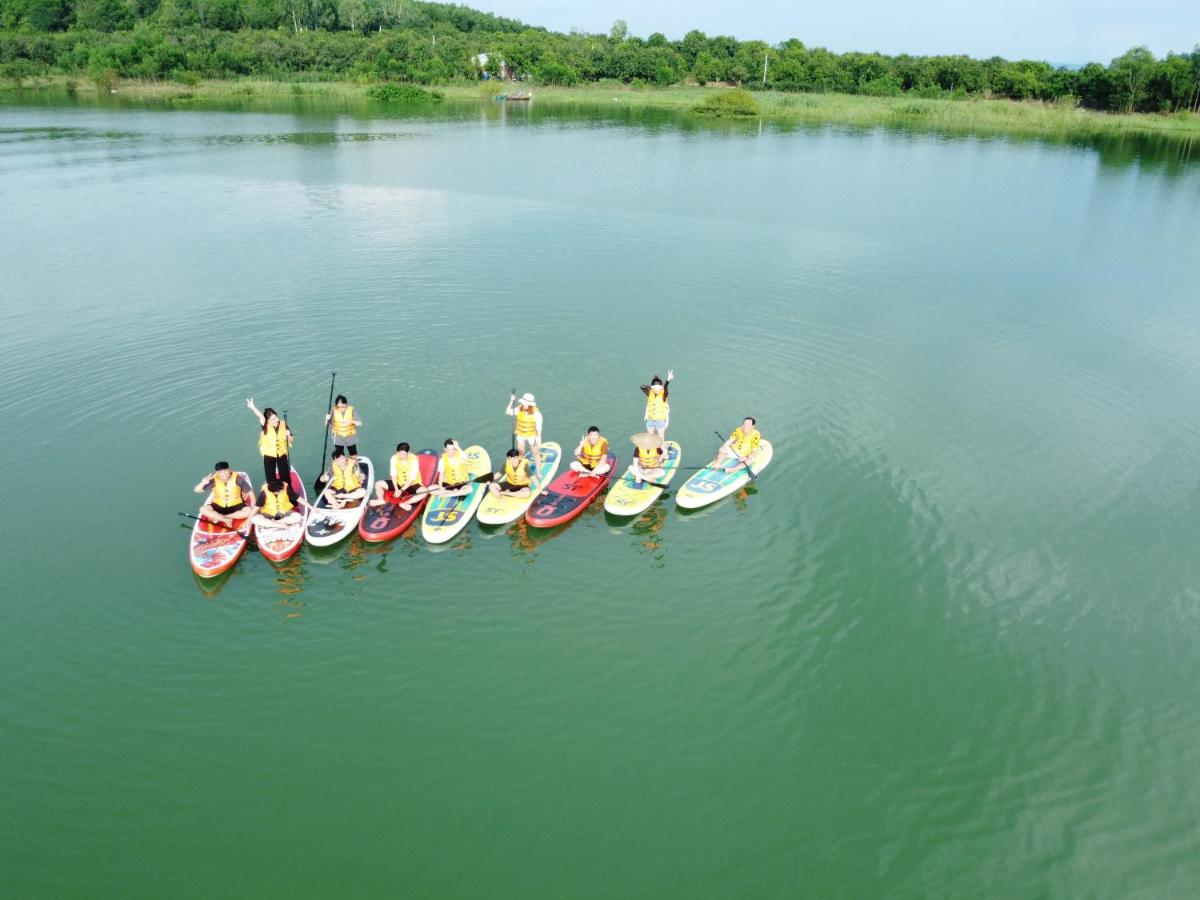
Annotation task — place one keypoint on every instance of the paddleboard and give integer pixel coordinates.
(279, 542)
(215, 548)
(383, 523)
(447, 516)
(627, 498)
(326, 526)
(500, 509)
(567, 496)
(710, 484)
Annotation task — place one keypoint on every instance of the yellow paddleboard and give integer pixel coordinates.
(446, 516)
(626, 498)
(500, 509)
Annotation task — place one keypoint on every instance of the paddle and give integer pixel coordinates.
(210, 522)
(514, 428)
(657, 484)
(749, 471)
(482, 479)
(319, 484)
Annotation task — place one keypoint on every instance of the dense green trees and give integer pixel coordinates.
(435, 42)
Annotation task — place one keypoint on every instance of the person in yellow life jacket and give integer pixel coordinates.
(344, 481)
(647, 464)
(515, 479)
(527, 425)
(345, 424)
(405, 476)
(274, 443)
(279, 504)
(741, 447)
(591, 456)
(452, 478)
(658, 410)
(228, 503)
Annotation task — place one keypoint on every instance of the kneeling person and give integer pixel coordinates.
(515, 477)
(344, 479)
(280, 505)
(228, 504)
(405, 472)
(591, 456)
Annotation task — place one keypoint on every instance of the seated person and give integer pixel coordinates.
(591, 456)
(514, 480)
(279, 505)
(344, 480)
(227, 505)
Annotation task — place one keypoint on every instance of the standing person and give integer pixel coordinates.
(279, 505)
(514, 480)
(591, 456)
(658, 409)
(228, 504)
(527, 425)
(345, 426)
(743, 443)
(274, 443)
(405, 474)
(344, 480)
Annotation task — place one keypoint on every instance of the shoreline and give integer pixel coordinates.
(956, 116)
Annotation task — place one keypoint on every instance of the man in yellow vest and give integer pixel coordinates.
(405, 472)
(742, 445)
(228, 504)
(345, 426)
(514, 480)
(591, 456)
(344, 480)
(527, 425)
(452, 479)
(279, 505)
(658, 410)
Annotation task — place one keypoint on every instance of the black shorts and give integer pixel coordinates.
(453, 487)
(391, 486)
(227, 510)
(589, 466)
(510, 487)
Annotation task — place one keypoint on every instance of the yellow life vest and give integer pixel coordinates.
(454, 471)
(526, 422)
(657, 407)
(649, 457)
(411, 473)
(226, 493)
(592, 454)
(343, 422)
(744, 444)
(346, 477)
(274, 441)
(277, 504)
(517, 475)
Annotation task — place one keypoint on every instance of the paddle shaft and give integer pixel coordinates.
(211, 522)
(514, 428)
(317, 485)
(749, 471)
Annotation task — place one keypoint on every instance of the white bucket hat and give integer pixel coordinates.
(527, 397)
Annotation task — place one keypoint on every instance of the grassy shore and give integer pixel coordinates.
(977, 116)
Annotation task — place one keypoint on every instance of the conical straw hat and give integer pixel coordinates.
(646, 440)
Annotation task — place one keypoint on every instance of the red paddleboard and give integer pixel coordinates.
(280, 543)
(567, 496)
(383, 523)
(215, 548)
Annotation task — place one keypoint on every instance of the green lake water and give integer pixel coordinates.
(948, 646)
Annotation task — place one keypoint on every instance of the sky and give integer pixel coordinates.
(1060, 31)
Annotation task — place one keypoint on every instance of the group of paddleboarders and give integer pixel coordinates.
(278, 502)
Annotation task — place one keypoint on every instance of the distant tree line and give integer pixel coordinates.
(437, 42)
